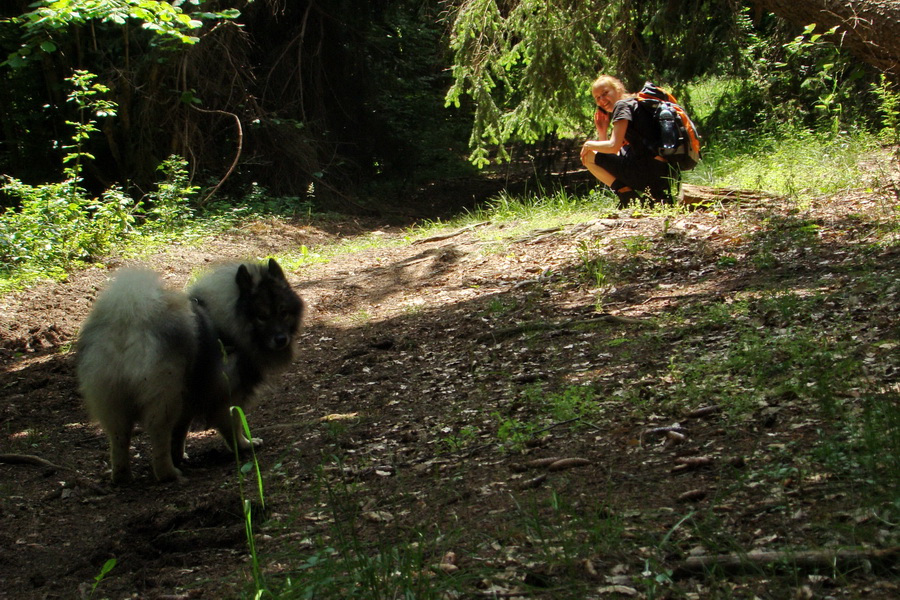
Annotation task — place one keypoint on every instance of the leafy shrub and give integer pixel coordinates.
(889, 104)
(170, 205)
(57, 225)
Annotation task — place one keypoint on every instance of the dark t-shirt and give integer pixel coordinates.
(634, 165)
(641, 131)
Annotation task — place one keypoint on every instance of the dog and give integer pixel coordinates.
(165, 358)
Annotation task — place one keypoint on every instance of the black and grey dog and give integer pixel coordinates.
(164, 358)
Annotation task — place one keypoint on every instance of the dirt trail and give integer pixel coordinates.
(411, 359)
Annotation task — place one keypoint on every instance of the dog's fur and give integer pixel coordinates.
(164, 358)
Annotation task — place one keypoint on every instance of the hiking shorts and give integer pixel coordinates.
(640, 173)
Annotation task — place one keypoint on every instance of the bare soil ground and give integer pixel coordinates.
(413, 357)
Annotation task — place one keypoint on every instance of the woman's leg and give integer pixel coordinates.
(624, 192)
(642, 174)
(596, 170)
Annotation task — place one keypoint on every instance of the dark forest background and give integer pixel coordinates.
(345, 103)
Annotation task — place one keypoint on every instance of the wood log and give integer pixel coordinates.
(693, 195)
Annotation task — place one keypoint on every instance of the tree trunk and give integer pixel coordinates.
(870, 29)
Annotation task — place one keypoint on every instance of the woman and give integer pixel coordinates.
(625, 159)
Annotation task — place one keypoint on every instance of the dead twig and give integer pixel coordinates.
(447, 236)
(703, 411)
(311, 423)
(534, 482)
(31, 459)
(538, 235)
(237, 154)
(692, 496)
(568, 463)
(687, 463)
(664, 430)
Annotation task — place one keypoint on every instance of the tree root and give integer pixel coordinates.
(30, 459)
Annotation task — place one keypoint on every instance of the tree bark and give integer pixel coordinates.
(693, 195)
(870, 29)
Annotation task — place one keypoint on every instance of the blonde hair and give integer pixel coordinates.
(611, 82)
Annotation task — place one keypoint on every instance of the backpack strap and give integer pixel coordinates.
(651, 91)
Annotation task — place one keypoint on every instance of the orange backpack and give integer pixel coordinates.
(678, 140)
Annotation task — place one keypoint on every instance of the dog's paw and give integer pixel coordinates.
(173, 475)
(121, 477)
(245, 444)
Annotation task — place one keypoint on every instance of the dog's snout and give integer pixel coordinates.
(280, 341)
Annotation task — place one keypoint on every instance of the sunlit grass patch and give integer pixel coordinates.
(761, 349)
(305, 256)
(798, 164)
(514, 215)
(769, 352)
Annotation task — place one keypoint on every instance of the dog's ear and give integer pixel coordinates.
(244, 279)
(275, 270)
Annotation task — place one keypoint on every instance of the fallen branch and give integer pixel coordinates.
(29, 459)
(805, 560)
(237, 154)
(538, 236)
(447, 236)
(703, 411)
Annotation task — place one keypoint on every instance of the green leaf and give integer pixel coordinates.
(48, 46)
(15, 61)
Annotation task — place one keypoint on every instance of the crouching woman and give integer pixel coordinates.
(623, 156)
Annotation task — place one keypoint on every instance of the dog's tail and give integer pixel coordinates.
(139, 339)
(137, 297)
(135, 318)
